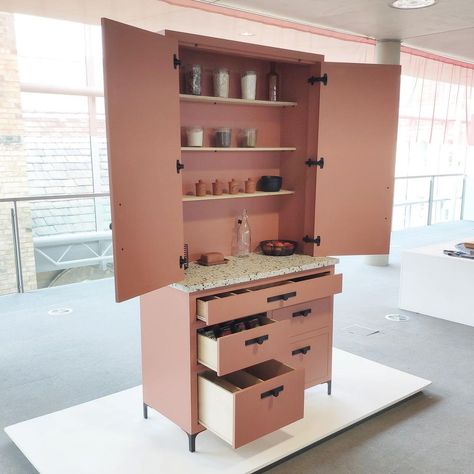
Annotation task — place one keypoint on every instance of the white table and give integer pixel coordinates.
(438, 285)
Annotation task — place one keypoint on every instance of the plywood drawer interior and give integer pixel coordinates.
(245, 405)
(224, 306)
(258, 339)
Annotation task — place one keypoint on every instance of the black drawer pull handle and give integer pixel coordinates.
(303, 312)
(257, 340)
(274, 392)
(301, 350)
(284, 297)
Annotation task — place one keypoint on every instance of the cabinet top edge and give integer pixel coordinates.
(251, 268)
(242, 48)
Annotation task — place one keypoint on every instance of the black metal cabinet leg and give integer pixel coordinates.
(329, 387)
(192, 442)
(145, 411)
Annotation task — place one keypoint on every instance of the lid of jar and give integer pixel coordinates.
(223, 129)
(249, 73)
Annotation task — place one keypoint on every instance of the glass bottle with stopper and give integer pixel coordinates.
(242, 239)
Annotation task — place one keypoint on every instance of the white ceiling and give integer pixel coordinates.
(446, 28)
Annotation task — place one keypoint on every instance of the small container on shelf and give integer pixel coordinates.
(221, 82)
(248, 83)
(273, 80)
(250, 186)
(234, 187)
(248, 138)
(271, 184)
(217, 188)
(193, 79)
(201, 188)
(194, 136)
(222, 137)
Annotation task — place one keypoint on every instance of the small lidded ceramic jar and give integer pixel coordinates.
(201, 188)
(234, 187)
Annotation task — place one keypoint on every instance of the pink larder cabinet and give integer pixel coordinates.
(142, 106)
(353, 196)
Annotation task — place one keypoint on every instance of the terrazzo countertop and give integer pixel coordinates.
(241, 270)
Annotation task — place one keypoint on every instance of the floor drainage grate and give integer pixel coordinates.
(397, 317)
(60, 311)
(360, 330)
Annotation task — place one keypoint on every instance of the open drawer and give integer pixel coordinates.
(221, 307)
(247, 404)
(242, 349)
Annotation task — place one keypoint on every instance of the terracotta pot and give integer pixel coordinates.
(217, 188)
(201, 188)
(234, 187)
(250, 186)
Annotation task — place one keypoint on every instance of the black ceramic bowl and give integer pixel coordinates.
(278, 248)
(270, 184)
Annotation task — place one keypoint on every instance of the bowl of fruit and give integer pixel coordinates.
(278, 248)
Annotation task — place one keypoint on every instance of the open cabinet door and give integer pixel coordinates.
(143, 138)
(358, 118)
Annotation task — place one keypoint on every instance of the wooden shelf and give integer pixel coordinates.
(234, 149)
(211, 197)
(227, 100)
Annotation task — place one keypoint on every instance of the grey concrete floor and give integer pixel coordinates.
(48, 363)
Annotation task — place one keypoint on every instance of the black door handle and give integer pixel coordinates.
(303, 312)
(274, 392)
(257, 340)
(284, 297)
(302, 350)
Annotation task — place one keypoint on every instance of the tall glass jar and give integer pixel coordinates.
(221, 82)
(243, 238)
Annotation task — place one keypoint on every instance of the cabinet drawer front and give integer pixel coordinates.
(243, 349)
(245, 405)
(314, 355)
(306, 317)
(225, 306)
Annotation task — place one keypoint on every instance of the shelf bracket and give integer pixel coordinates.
(179, 166)
(311, 240)
(313, 79)
(309, 162)
(176, 61)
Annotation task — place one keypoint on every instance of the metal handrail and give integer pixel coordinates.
(16, 228)
(430, 176)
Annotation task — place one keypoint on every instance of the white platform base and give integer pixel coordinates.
(437, 285)
(109, 435)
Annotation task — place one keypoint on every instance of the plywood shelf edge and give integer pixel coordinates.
(211, 197)
(205, 99)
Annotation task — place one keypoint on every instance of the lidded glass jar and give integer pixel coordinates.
(221, 82)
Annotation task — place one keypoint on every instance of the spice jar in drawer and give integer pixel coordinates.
(221, 307)
(241, 343)
(308, 316)
(247, 404)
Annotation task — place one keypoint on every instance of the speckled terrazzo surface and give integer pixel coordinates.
(241, 270)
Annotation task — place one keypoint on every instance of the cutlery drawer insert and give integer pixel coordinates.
(230, 352)
(247, 404)
(221, 307)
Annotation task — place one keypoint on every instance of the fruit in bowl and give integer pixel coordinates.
(278, 248)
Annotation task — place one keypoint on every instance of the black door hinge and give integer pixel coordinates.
(309, 162)
(313, 79)
(176, 61)
(179, 166)
(311, 240)
(183, 262)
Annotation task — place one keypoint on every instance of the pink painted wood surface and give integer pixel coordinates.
(143, 135)
(319, 316)
(255, 417)
(357, 137)
(168, 342)
(230, 47)
(317, 362)
(234, 355)
(224, 309)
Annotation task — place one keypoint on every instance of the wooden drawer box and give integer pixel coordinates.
(305, 317)
(245, 405)
(313, 354)
(243, 349)
(221, 307)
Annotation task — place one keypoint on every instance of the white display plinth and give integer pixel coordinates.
(109, 435)
(438, 285)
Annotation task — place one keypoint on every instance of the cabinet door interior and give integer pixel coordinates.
(358, 119)
(143, 135)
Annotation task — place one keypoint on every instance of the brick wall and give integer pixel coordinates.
(13, 172)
